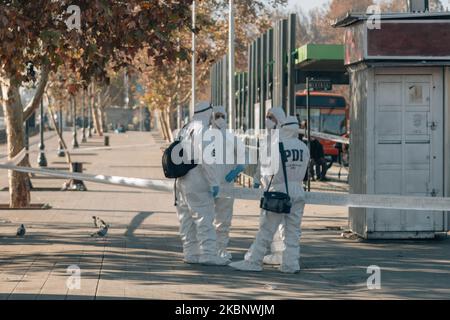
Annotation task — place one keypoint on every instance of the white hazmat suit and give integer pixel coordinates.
(227, 168)
(277, 245)
(195, 198)
(297, 155)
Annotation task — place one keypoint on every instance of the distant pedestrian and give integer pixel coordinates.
(318, 162)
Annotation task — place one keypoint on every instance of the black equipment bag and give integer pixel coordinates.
(278, 202)
(172, 170)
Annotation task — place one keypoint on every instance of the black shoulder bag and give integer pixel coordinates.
(172, 170)
(278, 202)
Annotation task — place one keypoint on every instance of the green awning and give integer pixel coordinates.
(321, 57)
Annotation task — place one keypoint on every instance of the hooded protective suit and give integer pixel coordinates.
(297, 155)
(226, 164)
(277, 245)
(195, 201)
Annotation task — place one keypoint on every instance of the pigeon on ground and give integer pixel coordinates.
(98, 222)
(102, 232)
(21, 231)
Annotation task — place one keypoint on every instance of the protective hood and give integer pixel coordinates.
(290, 129)
(202, 113)
(279, 114)
(221, 123)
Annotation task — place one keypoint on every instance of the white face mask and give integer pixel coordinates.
(220, 123)
(270, 125)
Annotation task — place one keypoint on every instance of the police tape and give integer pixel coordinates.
(326, 136)
(311, 198)
(352, 200)
(158, 185)
(315, 134)
(17, 158)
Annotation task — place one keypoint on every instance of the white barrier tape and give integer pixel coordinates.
(326, 136)
(314, 198)
(158, 185)
(17, 158)
(352, 200)
(316, 134)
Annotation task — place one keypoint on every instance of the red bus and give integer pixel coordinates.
(329, 114)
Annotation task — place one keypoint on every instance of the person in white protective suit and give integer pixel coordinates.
(297, 155)
(275, 118)
(195, 194)
(227, 170)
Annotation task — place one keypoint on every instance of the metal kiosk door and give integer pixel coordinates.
(408, 148)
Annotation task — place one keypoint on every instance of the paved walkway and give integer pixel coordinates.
(141, 257)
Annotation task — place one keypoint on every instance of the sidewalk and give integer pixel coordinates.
(141, 257)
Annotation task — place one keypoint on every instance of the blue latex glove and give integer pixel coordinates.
(215, 191)
(256, 185)
(232, 175)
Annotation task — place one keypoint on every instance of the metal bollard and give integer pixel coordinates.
(106, 141)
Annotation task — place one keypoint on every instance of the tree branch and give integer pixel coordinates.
(34, 103)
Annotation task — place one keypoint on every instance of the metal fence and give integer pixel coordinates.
(268, 81)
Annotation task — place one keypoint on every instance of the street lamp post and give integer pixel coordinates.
(27, 147)
(231, 62)
(308, 123)
(42, 160)
(89, 115)
(83, 139)
(141, 126)
(74, 120)
(61, 152)
(193, 98)
(125, 84)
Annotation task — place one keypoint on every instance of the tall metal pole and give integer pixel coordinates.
(83, 139)
(270, 65)
(193, 97)
(89, 114)
(291, 107)
(141, 116)
(225, 82)
(27, 136)
(263, 77)
(308, 126)
(27, 147)
(74, 113)
(283, 64)
(42, 160)
(61, 152)
(179, 115)
(250, 87)
(276, 66)
(231, 62)
(125, 84)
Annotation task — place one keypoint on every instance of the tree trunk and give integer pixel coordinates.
(60, 136)
(103, 118)
(163, 126)
(95, 116)
(167, 122)
(19, 191)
